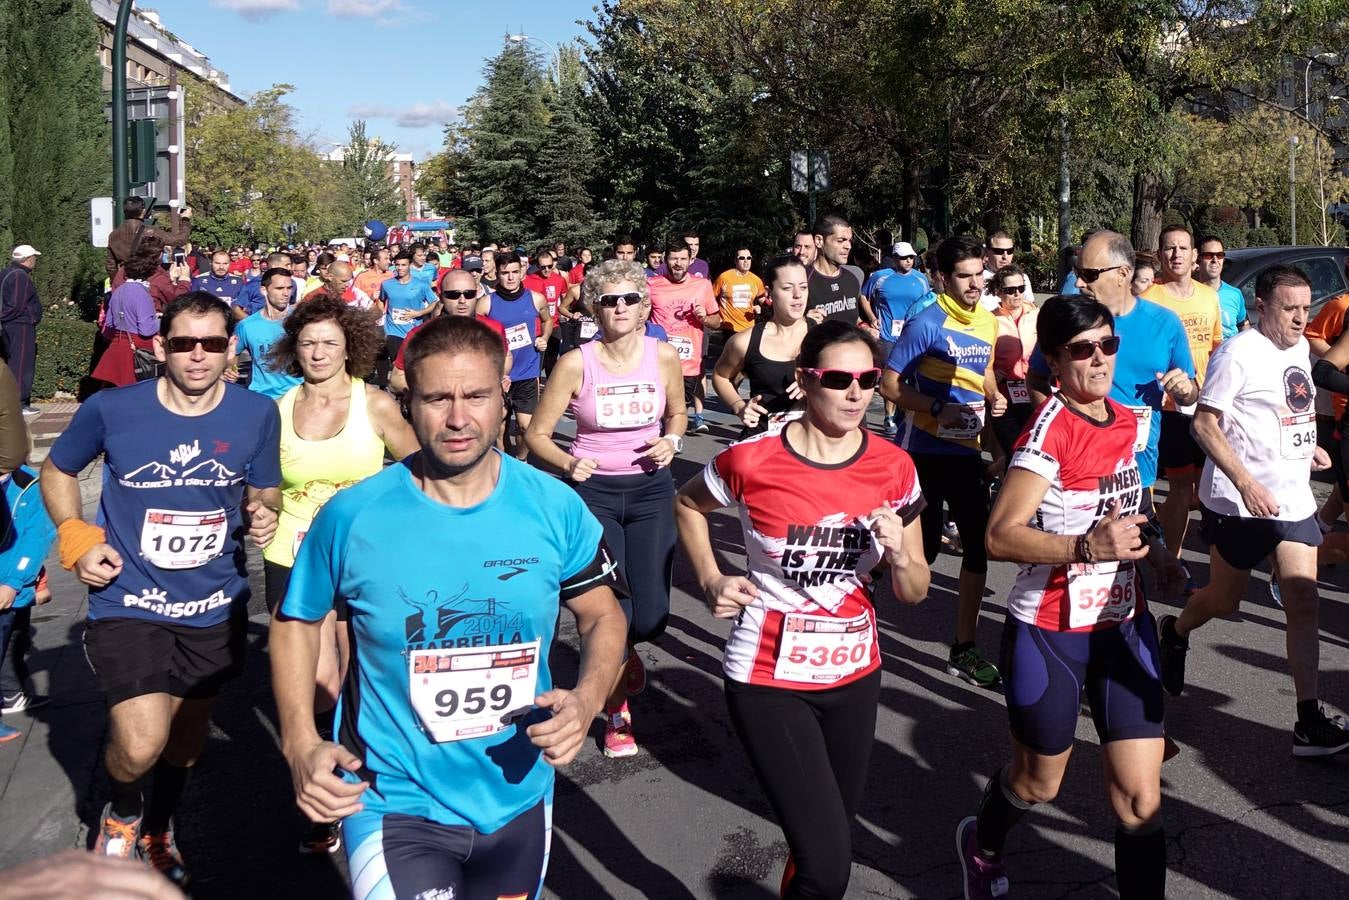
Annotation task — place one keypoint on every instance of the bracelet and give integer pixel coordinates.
(1082, 548)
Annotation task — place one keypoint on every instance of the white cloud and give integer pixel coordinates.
(257, 10)
(418, 115)
(362, 9)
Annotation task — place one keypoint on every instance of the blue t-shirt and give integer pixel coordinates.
(257, 334)
(655, 331)
(1232, 308)
(173, 488)
(486, 576)
(416, 294)
(897, 297)
(1152, 340)
(870, 284)
(1069, 286)
(226, 288)
(250, 298)
(425, 275)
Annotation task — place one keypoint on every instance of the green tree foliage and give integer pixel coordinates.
(54, 144)
(368, 190)
(566, 161)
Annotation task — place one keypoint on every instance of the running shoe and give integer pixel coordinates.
(21, 701)
(8, 733)
(969, 663)
(636, 674)
(1274, 593)
(618, 739)
(321, 837)
(950, 536)
(889, 427)
(984, 878)
(1171, 650)
(117, 836)
(161, 851)
(1321, 736)
(698, 424)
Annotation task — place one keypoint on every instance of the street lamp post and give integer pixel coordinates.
(1327, 58)
(120, 177)
(1292, 190)
(557, 57)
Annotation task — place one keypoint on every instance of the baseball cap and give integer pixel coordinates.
(902, 248)
(471, 264)
(23, 251)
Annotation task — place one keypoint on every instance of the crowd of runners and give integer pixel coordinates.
(383, 423)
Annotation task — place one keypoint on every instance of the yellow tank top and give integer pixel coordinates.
(313, 471)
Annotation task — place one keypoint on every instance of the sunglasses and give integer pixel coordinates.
(743, 258)
(455, 295)
(1090, 275)
(1012, 289)
(212, 344)
(1000, 251)
(1080, 350)
(1210, 257)
(611, 301)
(545, 268)
(842, 379)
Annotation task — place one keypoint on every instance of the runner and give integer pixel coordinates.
(655, 261)
(1323, 332)
(1016, 316)
(189, 463)
(335, 430)
(1068, 514)
(520, 311)
(250, 297)
(999, 250)
(739, 292)
(406, 300)
(802, 667)
(26, 537)
(378, 272)
(1256, 424)
(1146, 268)
(894, 297)
(804, 249)
(835, 287)
(257, 333)
(547, 281)
(1197, 306)
(940, 373)
(684, 306)
(444, 773)
(1231, 303)
(458, 297)
(624, 390)
(766, 354)
(218, 282)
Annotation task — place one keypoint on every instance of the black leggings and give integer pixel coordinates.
(958, 481)
(637, 514)
(1007, 427)
(810, 750)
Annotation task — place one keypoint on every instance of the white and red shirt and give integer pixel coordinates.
(1089, 465)
(810, 552)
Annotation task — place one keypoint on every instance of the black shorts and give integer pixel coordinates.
(132, 657)
(956, 480)
(690, 386)
(1177, 449)
(523, 397)
(1244, 542)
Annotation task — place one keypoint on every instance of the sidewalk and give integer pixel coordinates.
(46, 428)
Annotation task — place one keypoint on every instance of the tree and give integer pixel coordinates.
(566, 164)
(369, 192)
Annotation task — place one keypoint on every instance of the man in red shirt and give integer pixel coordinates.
(553, 287)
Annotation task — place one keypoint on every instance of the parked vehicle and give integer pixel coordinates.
(1325, 267)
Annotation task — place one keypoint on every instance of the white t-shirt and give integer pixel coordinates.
(1268, 411)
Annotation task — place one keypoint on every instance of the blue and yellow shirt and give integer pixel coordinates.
(943, 352)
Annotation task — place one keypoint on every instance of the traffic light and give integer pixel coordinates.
(142, 160)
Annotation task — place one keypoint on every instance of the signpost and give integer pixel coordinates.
(810, 174)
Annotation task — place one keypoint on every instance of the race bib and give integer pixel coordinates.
(295, 544)
(969, 426)
(1297, 436)
(626, 405)
(740, 298)
(171, 539)
(1100, 592)
(1144, 416)
(896, 328)
(589, 328)
(472, 692)
(517, 336)
(823, 649)
(1017, 392)
(683, 346)
(401, 316)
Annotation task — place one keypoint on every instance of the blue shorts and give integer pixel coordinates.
(1045, 672)
(392, 856)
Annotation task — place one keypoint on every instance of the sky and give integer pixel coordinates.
(405, 66)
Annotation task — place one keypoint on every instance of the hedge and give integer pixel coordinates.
(65, 346)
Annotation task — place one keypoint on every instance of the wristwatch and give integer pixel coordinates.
(677, 440)
(935, 409)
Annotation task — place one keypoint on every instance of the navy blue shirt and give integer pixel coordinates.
(226, 288)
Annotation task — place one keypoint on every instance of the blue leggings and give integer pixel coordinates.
(393, 857)
(1045, 672)
(637, 514)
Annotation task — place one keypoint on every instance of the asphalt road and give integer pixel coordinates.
(685, 818)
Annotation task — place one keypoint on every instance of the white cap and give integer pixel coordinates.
(903, 248)
(23, 251)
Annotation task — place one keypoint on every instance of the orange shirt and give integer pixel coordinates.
(370, 280)
(1327, 326)
(1202, 318)
(736, 295)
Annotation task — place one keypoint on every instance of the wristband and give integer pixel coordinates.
(1082, 548)
(936, 407)
(77, 537)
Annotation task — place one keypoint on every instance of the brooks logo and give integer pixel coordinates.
(507, 576)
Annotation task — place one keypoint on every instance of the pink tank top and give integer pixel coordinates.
(618, 415)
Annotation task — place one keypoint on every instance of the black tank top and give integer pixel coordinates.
(768, 378)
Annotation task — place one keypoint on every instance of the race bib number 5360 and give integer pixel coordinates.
(472, 692)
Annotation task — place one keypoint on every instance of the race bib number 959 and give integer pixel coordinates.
(473, 691)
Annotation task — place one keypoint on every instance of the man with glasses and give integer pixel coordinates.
(739, 293)
(1231, 303)
(999, 249)
(546, 280)
(1197, 306)
(459, 295)
(190, 465)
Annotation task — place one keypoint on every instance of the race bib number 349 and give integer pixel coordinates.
(472, 692)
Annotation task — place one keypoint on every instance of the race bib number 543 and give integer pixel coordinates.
(472, 692)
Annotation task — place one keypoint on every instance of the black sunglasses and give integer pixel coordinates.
(611, 301)
(842, 379)
(999, 251)
(455, 295)
(212, 344)
(1011, 289)
(1090, 275)
(1080, 350)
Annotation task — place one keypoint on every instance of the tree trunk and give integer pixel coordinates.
(908, 216)
(1149, 203)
